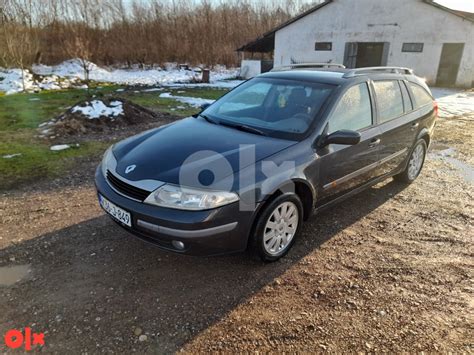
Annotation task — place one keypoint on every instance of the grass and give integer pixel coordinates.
(20, 111)
(37, 161)
(152, 100)
(20, 115)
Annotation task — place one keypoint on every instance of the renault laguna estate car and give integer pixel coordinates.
(247, 170)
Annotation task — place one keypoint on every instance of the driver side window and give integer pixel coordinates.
(353, 111)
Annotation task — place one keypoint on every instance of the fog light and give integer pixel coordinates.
(178, 245)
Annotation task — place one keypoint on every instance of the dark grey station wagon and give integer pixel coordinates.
(250, 168)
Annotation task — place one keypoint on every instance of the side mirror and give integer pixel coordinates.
(342, 136)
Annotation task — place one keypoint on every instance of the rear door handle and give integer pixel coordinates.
(374, 142)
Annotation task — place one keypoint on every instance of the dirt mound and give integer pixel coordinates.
(97, 116)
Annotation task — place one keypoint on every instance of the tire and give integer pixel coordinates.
(414, 165)
(273, 237)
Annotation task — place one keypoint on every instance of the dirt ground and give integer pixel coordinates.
(391, 269)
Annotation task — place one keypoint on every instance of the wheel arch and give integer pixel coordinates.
(424, 134)
(302, 189)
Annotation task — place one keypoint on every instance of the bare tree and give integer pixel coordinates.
(19, 38)
(145, 32)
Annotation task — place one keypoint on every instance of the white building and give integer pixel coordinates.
(435, 41)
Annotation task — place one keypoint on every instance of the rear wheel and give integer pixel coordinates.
(415, 163)
(277, 227)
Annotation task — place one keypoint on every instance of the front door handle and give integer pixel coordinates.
(374, 142)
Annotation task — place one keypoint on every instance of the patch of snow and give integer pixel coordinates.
(192, 101)
(96, 108)
(153, 89)
(454, 102)
(148, 77)
(9, 156)
(218, 84)
(11, 80)
(59, 147)
(69, 73)
(50, 83)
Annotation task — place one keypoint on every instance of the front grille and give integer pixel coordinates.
(127, 189)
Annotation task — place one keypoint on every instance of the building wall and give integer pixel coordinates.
(250, 68)
(393, 21)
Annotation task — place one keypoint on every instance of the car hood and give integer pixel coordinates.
(159, 154)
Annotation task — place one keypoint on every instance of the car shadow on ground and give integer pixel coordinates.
(93, 287)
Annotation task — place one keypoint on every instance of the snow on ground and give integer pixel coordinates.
(192, 101)
(11, 81)
(223, 84)
(149, 77)
(10, 156)
(59, 147)
(70, 72)
(454, 102)
(96, 108)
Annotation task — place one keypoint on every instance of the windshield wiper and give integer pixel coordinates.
(243, 127)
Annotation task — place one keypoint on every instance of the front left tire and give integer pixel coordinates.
(277, 227)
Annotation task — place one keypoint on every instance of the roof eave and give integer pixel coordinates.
(284, 24)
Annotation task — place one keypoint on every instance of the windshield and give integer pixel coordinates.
(276, 107)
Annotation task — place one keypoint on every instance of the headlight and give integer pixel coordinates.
(107, 160)
(184, 198)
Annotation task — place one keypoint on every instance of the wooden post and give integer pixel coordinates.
(206, 73)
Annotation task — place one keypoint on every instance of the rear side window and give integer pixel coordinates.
(420, 95)
(353, 111)
(389, 100)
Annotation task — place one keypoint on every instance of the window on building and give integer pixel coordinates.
(412, 47)
(353, 111)
(389, 99)
(420, 95)
(323, 46)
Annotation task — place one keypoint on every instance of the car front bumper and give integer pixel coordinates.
(218, 231)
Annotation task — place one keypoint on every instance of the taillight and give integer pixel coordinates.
(435, 107)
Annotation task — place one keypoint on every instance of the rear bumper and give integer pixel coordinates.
(219, 231)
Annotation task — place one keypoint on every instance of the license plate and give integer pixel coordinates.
(115, 211)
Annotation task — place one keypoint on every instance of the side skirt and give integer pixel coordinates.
(356, 191)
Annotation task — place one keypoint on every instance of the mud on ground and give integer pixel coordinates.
(74, 125)
(390, 269)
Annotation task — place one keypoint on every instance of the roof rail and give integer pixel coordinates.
(308, 65)
(363, 71)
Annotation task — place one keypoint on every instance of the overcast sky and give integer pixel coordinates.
(463, 5)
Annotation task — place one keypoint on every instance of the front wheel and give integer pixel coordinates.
(415, 163)
(277, 227)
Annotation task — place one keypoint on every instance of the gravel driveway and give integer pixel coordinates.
(391, 269)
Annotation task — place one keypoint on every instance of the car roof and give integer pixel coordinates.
(325, 76)
(334, 76)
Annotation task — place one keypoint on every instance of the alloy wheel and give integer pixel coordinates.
(280, 228)
(416, 162)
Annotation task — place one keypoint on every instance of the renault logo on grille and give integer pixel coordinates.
(130, 168)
